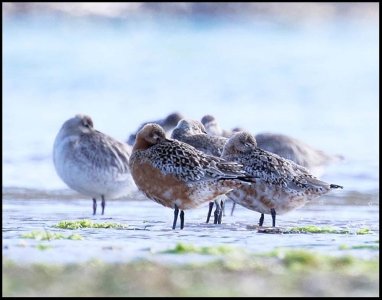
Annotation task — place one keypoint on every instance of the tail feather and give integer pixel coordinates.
(244, 178)
(319, 183)
(336, 186)
(250, 179)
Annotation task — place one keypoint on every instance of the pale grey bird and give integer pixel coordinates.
(213, 128)
(193, 132)
(167, 124)
(91, 162)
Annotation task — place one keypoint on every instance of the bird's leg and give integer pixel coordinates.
(176, 212)
(103, 203)
(94, 206)
(181, 219)
(261, 221)
(233, 208)
(211, 205)
(221, 211)
(217, 212)
(273, 213)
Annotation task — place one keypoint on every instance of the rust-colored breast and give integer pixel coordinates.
(165, 189)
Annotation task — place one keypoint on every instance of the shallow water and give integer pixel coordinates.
(150, 231)
(318, 83)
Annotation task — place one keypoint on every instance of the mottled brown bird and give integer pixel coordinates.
(193, 133)
(179, 176)
(281, 184)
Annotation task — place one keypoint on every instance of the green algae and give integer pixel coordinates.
(363, 231)
(297, 257)
(370, 247)
(182, 248)
(79, 224)
(367, 247)
(325, 229)
(47, 236)
(308, 229)
(282, 272)
(291, 259)
(301, 259)
(43, 247)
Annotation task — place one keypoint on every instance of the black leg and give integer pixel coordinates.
(221, 211)
(211, 205)
(223, 207)
(176, 212)
(103, 203)
(261, 221)
(217, 212)
(181, 219)
(233, 208)
(94, 206)
(273, 213)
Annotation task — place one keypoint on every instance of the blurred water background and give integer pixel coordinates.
(307, 70)
(310, 72)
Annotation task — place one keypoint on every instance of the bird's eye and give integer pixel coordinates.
(87, 122)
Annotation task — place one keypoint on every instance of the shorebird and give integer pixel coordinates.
(298, 151)
(285, 146)
(281, 184)
(178, 176)
(167, 124)
(193, 133)
(91, 162)
(213, 127)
